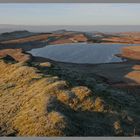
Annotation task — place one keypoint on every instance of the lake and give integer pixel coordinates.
(81, 52)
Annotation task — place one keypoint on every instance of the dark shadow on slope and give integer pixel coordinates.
(83, 123)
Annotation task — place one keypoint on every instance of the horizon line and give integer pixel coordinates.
(72, 25)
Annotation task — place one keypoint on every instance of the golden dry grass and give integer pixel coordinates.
(17, 54)
(24, 96)
(34, 104)
(29, 102)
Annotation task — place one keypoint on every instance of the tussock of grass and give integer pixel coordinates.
(81, 92)
(100, 105)
(66, 96)
(118, 128)
(45, 64)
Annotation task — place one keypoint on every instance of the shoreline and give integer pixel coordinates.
(28, 45)
(118, 55)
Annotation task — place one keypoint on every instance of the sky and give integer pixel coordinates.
(70, 14)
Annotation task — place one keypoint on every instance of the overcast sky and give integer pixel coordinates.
(70, 14)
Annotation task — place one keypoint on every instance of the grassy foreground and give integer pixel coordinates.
(35, 102)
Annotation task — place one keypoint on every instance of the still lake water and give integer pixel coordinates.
(81, 52)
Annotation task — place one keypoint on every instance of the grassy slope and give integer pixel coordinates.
(50, 101)
(37, 104)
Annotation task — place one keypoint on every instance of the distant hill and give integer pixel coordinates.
(45, 28)
(15, 35)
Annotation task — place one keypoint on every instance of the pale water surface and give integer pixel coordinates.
(81, 52)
